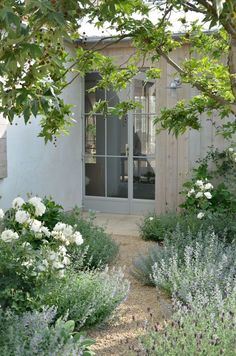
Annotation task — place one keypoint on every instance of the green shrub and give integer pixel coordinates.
(158, 227)
(98, 248)
(161, 228)
(88, 297)
(209, 330)
(37, 333)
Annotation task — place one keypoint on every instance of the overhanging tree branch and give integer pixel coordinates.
(197, 85)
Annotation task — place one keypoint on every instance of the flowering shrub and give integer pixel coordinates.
(212, 188)
(33, 333)
(98, 248)
(30, 252)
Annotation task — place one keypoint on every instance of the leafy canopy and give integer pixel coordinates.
(34, 63)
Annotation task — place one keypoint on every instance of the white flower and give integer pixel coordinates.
(63, 232)
(17, 203)
(28, 263)
(192, 191)
(208, 186)
(150, 218)
(66, 261)
(77, 238)
(9, 235)
(200, 215)
(208, 195)
(35, 225)
(199, 183)
(40, 208)
(199, 195)
(45, 231)
(62, 250)
(57, 265)
(59, 226)
(1, 214)
(26, 244)
(22, 216)
(231, 149)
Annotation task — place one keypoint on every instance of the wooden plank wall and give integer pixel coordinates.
(3, 147)
(175, 158)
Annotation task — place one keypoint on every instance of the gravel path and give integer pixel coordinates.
(120, 335)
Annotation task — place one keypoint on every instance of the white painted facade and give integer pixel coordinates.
(44, 170)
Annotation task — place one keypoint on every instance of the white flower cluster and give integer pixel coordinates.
(36, 202)
(9, 235)
(66, 235)
(201, 189)
(232, 154)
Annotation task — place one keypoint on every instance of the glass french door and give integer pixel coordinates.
(119, 153)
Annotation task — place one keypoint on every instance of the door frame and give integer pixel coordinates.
(115, 205)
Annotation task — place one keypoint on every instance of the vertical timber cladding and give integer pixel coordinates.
(174, 157)
(3, 147)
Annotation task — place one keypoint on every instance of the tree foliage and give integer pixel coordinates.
(34, 63)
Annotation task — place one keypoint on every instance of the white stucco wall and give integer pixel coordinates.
(40, 169)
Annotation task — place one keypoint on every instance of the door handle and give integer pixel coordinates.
(126, 150)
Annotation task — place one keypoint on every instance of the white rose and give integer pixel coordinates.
(199, 183)
(231, 149)
(62, 250)
(22, 216)
(57, 265)
(151, 218)
(59, 226)
(40, 208)
(208, 195)
(45, 231)
(77, 238)
(17, 203)
(68, 230)
(192, 191)
(199, 195)
(9, 235)
(208, 186)
(1, 214)
(200, 215)
(35, 225)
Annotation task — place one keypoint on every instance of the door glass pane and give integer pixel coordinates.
(145, 94)
(94, 176)
(143, 135)
(91, 80)
(117, 177)
(144, 178)
(94, 134)
(117, 128)
(117, 136)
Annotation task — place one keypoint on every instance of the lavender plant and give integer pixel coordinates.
(37, 333)
(208, 330)
(207, 263)
(89, 297)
